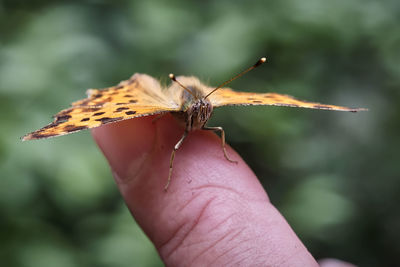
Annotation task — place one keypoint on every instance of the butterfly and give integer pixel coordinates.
(187, 99)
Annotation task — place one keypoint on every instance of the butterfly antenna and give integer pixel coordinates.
(172, 77)
(259, 62)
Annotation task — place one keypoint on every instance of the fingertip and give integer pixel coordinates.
(141, 148)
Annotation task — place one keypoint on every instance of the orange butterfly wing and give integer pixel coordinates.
(141, 95)
(226, 97)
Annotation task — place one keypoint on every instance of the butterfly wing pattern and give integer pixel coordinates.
(228, 97)
(141, 95)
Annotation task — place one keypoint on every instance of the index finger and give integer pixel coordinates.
(214, 212)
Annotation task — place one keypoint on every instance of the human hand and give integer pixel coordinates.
(214, 213)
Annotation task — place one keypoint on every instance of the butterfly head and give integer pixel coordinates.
(198, 113)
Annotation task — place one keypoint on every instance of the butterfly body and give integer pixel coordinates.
(188, 100)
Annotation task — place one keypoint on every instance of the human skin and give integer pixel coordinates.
(215, 213)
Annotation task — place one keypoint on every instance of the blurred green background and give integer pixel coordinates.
(333, 175)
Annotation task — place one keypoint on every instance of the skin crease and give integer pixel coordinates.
(215, 213)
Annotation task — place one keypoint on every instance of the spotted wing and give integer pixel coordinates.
(141, 95)
(226, 97)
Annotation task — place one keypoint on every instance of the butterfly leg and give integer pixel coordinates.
(171, 161)
(219, 129)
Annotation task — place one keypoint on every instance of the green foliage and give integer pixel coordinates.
(333, 175)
